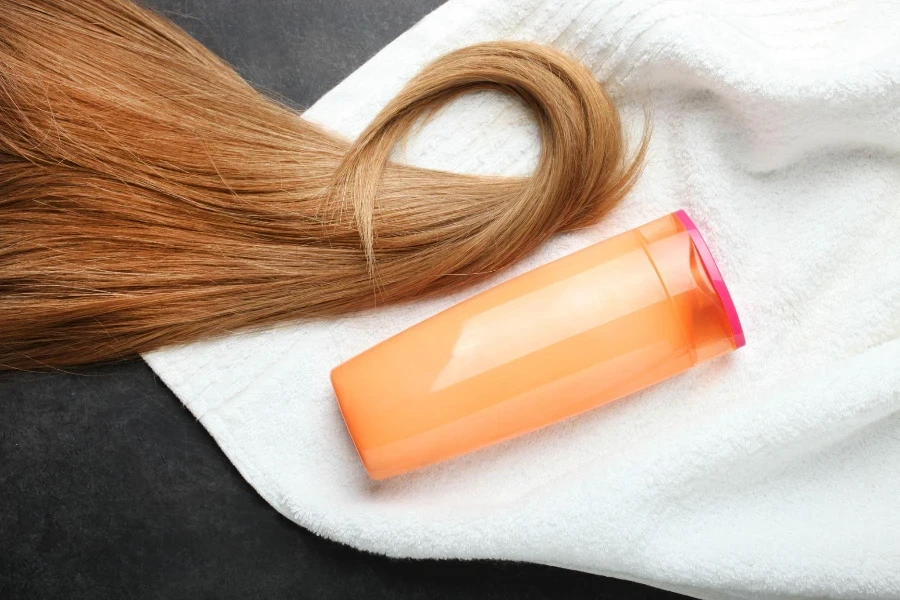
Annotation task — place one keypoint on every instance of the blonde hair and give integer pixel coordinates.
(149, 196)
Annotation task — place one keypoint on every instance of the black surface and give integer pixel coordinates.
(108, 486)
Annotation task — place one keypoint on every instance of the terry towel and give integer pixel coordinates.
(771, 473)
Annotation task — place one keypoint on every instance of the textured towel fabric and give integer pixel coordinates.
(770, 473)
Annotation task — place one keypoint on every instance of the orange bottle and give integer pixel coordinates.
(579, 332)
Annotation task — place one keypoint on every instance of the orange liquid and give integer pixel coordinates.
(574, 334)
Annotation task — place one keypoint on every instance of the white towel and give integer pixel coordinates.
(771, 473)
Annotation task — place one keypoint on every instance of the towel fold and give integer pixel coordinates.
(770, 473)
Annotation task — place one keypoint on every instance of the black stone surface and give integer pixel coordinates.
(108, 486)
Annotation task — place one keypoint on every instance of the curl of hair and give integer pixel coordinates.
(149, 196)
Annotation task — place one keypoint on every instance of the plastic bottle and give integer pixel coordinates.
(574, 334)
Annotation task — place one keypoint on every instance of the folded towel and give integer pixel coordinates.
(770, 473)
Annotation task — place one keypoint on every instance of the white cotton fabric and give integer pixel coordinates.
(771, 473)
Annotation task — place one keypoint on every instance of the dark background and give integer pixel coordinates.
(108, 486)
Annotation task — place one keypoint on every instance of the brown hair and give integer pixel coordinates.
(149, 196)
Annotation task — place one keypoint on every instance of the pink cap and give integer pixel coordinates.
(715, 276)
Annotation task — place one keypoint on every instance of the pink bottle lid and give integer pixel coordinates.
(715, 276)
